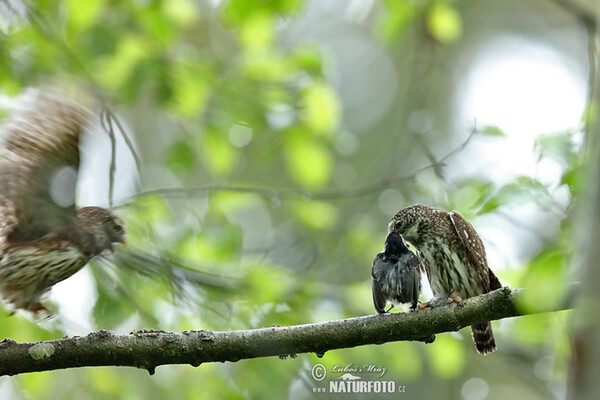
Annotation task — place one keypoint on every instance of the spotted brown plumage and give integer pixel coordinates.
(454, 259)
(44, 239)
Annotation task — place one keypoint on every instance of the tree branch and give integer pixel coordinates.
(149, 349)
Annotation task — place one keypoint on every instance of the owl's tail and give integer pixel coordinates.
(483, 337)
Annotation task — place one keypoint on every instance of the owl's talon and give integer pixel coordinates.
(455, 298)
(438, 302)
(38, 308)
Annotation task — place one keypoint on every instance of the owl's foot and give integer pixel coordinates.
(424, 305)
(455, 298)
(438, 301)
(435, 302)
(38, 308)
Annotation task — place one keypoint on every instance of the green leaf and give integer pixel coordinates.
(558, 146)
(466, 197)
(221, 244)
(309, 161)
(397, 19)
(321, 108)
(309, 58)
(269, 284)
(119, 67)
(106, 382)
(190, 88)
(159, 27)
(574, 178)
(111, 308)
(267, 67)
(181, 158)
(182, 12)
(492, 130)
(447, 352)
(82, 14)
(218, 153)
(257, 33)
(36, 385)
(545, 281)
(444, 22)
(153, 208)
(317, 214)
(522, 188)
(237, 11)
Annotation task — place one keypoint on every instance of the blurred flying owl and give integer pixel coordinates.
(44, 239)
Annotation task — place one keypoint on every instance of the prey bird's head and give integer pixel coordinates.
(394, 244)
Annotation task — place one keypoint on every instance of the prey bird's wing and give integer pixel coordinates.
(38, 170)
(410, 278)
(379, 300)
(475, 248)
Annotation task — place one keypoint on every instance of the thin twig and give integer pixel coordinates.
(106, 122)
(296, 193)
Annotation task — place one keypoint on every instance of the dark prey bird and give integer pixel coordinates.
(44, 239)
(395, 275)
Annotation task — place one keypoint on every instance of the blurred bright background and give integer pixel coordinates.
(271, 143)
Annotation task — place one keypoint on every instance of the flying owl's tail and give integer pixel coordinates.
(483, 337)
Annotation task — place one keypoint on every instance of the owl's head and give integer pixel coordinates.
(103, 226)
(411, 222)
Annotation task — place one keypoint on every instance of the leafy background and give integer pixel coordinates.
(270, 144)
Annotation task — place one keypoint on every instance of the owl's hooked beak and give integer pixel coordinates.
(391, 226)
(118, 239)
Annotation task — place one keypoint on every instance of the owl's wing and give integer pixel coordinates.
(38, 172)
(471, 240)
(379, 300)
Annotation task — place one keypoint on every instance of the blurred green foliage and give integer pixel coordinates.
(254, 178)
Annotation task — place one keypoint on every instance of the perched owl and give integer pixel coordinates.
(454, 259)
(395, 275)
(44, 239)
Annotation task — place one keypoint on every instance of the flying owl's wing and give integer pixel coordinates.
(379, 299)
(471, 240)
(38, 171)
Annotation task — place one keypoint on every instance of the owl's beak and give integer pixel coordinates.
(122, 240)
(391, 226)
(118, 240)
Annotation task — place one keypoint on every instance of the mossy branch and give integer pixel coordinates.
(149, 349)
